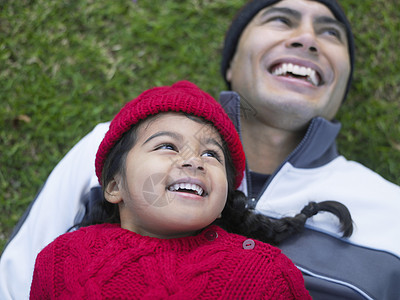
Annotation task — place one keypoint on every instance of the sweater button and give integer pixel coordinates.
(211, 235)
(248, 244)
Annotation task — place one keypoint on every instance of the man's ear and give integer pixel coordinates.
(228, 74)
(112, 192)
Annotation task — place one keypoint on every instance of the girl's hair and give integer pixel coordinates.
(100, 210)
(236, 216)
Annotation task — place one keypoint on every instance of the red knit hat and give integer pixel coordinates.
(183, 96)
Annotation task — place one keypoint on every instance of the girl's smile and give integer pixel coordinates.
(175, 178)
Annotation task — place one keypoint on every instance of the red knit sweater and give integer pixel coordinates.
(107, 262)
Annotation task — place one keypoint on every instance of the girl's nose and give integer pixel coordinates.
(193, 163)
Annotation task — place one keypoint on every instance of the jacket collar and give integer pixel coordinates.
(318, 146)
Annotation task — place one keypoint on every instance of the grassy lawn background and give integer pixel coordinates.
(67, 65)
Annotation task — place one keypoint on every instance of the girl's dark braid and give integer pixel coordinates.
(237, 218)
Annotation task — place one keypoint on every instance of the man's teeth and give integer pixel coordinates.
(187, 186)
(297, 70)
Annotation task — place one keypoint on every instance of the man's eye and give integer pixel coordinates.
(280, 19)
(333, 33)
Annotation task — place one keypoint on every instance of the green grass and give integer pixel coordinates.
(67, 65)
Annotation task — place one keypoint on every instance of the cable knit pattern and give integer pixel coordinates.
(107, 262)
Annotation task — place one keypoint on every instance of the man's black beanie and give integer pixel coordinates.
(252, 7)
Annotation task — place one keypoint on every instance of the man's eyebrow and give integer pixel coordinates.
(164, 133)
(284, 10)
(296, 14)
(330, 20)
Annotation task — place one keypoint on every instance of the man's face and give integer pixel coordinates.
(292, 63)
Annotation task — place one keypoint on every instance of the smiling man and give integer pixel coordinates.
(291, 64)
(288, 65)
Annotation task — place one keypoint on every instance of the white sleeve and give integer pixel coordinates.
(52, 213)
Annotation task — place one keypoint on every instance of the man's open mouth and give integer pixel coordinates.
(190, 188)
(295, 71)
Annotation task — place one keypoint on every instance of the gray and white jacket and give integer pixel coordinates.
(364, 266)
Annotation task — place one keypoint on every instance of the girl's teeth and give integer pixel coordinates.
(186, 186)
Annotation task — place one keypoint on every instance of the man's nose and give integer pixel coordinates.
(303, 39)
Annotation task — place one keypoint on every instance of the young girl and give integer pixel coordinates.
(169, 166)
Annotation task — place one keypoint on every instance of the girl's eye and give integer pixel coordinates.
(211, 153)
(166, 147)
